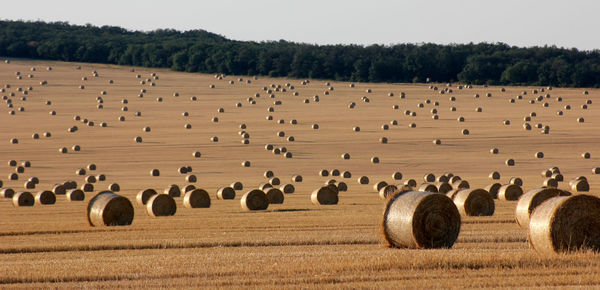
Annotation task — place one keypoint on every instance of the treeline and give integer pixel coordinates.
(201, 51)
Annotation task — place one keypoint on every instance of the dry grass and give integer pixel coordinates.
(295, 244)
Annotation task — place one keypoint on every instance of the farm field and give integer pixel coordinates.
(295, 244)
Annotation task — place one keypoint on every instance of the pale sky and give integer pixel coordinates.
(569, 23)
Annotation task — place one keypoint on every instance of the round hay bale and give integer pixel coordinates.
(387, 191)
(346, 156)
(341, 186)
(474, 202)
(188, 188)
(495, 175)
(492, 189)
(246, 163)
(29, 185)
(532, 199)
(586, 155)
(550, 182)
(324, 173)
(61, 189)
(144, 195)
(596, 170)
(494, 150)
(289, 188)
(173, 190)
(161, 205)
(363, 180)
(539, 155)
(274, 181)
(410, 183)
(379, 185)
(580, 185)
(75, 195)
(429, 177)
(420, 220)
(268, 174)
(23, 198)
(197, 198)
(510, 162)
(90, 179)
(237, 185)
(559, 177)
(274, 196)
(324, 196)
(335, 172)
(114, 187)
(566, 224)
(155, 172)
(226, 193)
(443, 187)
(109, 209)
(254, 199)
(375, 160)
(397, 175)
(516, 180)
(428, 187)
(45, 197)
(509, 192)
(297, 178)
(460, 184)
(7, 192)
(191, 178)
(87, 187)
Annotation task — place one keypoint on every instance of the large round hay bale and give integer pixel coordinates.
(109, 209)
(23, 198)
(509, 192)
(173, 190)
(532, 199)
(75, 195)
(7, 192)
(387, 191)
(144, 195)
(45, 197)
(428, 187)
(274, 196)
(197, 198)
(226, 193)
(417, 219)
(255, 199)
(474, 202)
(566, 224)
(161, 205)
(324, 196)
(493, 189)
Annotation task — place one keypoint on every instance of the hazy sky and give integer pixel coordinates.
(568, 23)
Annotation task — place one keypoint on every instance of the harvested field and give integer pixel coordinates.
(296, 244)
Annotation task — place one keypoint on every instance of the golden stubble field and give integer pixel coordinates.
(296, 244)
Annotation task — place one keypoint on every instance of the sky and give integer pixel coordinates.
(568, 23)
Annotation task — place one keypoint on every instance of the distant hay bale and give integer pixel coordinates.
(237, 185)
(510, 162)
(411, 183)
(87, 187)
(429, 177)
(465, 132)
(586, 155)
(45, 197)
(324, 196)
(264, 186)
(387, 191)
(509, 192)
(566, 224)
(428, 187)
(246, 163)
(297, 178)
(579, 185)
(274, 181)
(363, 180)
(60, 189)
(109, 209)
(268, 174)
(197, 198)
(460, 184)
(341, 186)
(420, 220)
(173, 190)
(324, 172)
(494, 150)
(495, 175)
(161, 205)
(379, 185)
(443, 187)
(288, 188)
(346, 156)
(532, 199)
(550, 182)
(191, 178)
(274, 196)
(346, 174)
(596, 170)
(474, 202)
(75, 195)
(492, 189)
(397, 175)
(7, 192)
(144, 195)
(23, 198)
(516, 180)
(335, 172)
(375, 159)
(155, 172)
(254, 200)
(114, 187)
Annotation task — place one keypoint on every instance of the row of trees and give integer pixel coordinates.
(201, 51)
